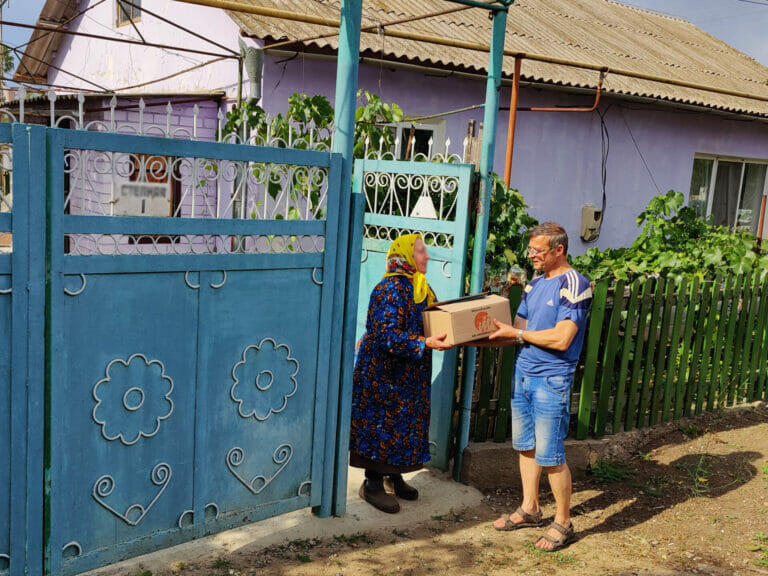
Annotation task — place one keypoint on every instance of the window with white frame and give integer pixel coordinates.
(730, 191)
(127, 11)
(413, 139)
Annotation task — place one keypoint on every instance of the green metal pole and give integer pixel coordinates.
(481, 228)
(343, 143)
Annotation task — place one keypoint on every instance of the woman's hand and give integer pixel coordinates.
(437, 342)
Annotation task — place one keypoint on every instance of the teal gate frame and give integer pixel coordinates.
(22, 275)
(163, 378)
(392, 191)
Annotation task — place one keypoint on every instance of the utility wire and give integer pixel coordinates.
(179, 73)
(19, 54)
(33, 40)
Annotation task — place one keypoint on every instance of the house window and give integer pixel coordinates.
(413, 139)
(730, 191)
(127, 11)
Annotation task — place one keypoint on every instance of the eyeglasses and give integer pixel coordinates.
(533, 252)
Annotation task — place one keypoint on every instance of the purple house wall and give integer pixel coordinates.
(558, 159)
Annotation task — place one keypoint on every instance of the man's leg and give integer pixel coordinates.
(560, 482)
(523, 441)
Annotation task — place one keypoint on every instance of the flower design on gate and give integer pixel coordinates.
(132, 399)
(264, 379)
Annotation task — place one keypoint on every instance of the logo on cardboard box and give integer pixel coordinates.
(484, 322)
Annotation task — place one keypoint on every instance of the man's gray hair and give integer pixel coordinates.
(552, 230)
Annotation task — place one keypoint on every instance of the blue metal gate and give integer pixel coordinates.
(430, 198)
(22, 240)
(189, 357)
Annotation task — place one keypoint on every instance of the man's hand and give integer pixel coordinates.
(438, 342)
(503, 331)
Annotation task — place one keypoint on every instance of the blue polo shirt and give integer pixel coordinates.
(547, 301)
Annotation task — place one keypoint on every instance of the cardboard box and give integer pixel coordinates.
(466, 319)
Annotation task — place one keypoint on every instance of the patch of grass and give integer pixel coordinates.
(401, 533)
(692, 430)
(559, 557)
(305, 558)
(610, 471)
(761, 546)
(645, 456)
(742, 472)
(178, 567)
(355, 539)
(764, 471)
(222, 564)
(145, 573)
(699, 471)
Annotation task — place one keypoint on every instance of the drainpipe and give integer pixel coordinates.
(512, 122)
(481, 227)
(514, 109)
(760, 223)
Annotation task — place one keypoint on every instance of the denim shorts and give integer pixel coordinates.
(540, 416)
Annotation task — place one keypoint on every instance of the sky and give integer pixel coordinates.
(740, 23)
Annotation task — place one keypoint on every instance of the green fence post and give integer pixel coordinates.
(609, 358)
(594, 337)
(682, 398)
(702, 347)
(626, 347)
(661, 352)
(633, 402)
(506, 374)
(726, 370)
(645, 391)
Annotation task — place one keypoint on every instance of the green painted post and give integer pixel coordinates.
(630, 419)
(626, 347)
(506, 375)
(493, 86)
(594, 337)
(715, 392)
(682, 398)
(670, 393)
(762, 368)
(645, 390)
(487, 360)
(742, 386)
(609, 358)
(708, 349)
(702, 347)
(726, 371)
(661, 353)
(757, 338)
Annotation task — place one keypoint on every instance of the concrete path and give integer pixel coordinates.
(439, 494)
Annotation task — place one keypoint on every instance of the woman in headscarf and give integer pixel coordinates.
(392, 378)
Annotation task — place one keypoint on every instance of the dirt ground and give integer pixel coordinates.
(694, 501)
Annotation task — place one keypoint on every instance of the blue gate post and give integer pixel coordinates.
(35, 160)
(351, 14)
(481, 229)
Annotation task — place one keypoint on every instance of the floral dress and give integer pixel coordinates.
(392, 381)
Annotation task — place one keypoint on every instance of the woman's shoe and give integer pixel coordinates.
(400, 487)
(373, 492)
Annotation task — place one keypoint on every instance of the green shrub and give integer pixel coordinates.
(674, 240)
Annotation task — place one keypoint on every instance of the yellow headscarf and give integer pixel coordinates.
(400, 262)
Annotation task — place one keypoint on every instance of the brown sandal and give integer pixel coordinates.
(529, 521)
(568, 536)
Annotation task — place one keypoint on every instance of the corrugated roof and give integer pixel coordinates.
(594, 32)
(32, 66)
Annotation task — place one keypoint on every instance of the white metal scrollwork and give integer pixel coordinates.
(189, 284)
(133, 399)
(81, 290)
(78, 550)
(281, 457)
(103, 487)
(276, 355)
(220, 284)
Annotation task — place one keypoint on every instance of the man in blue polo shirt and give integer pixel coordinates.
(549, 329)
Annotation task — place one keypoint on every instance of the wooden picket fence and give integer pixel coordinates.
(656, 349)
